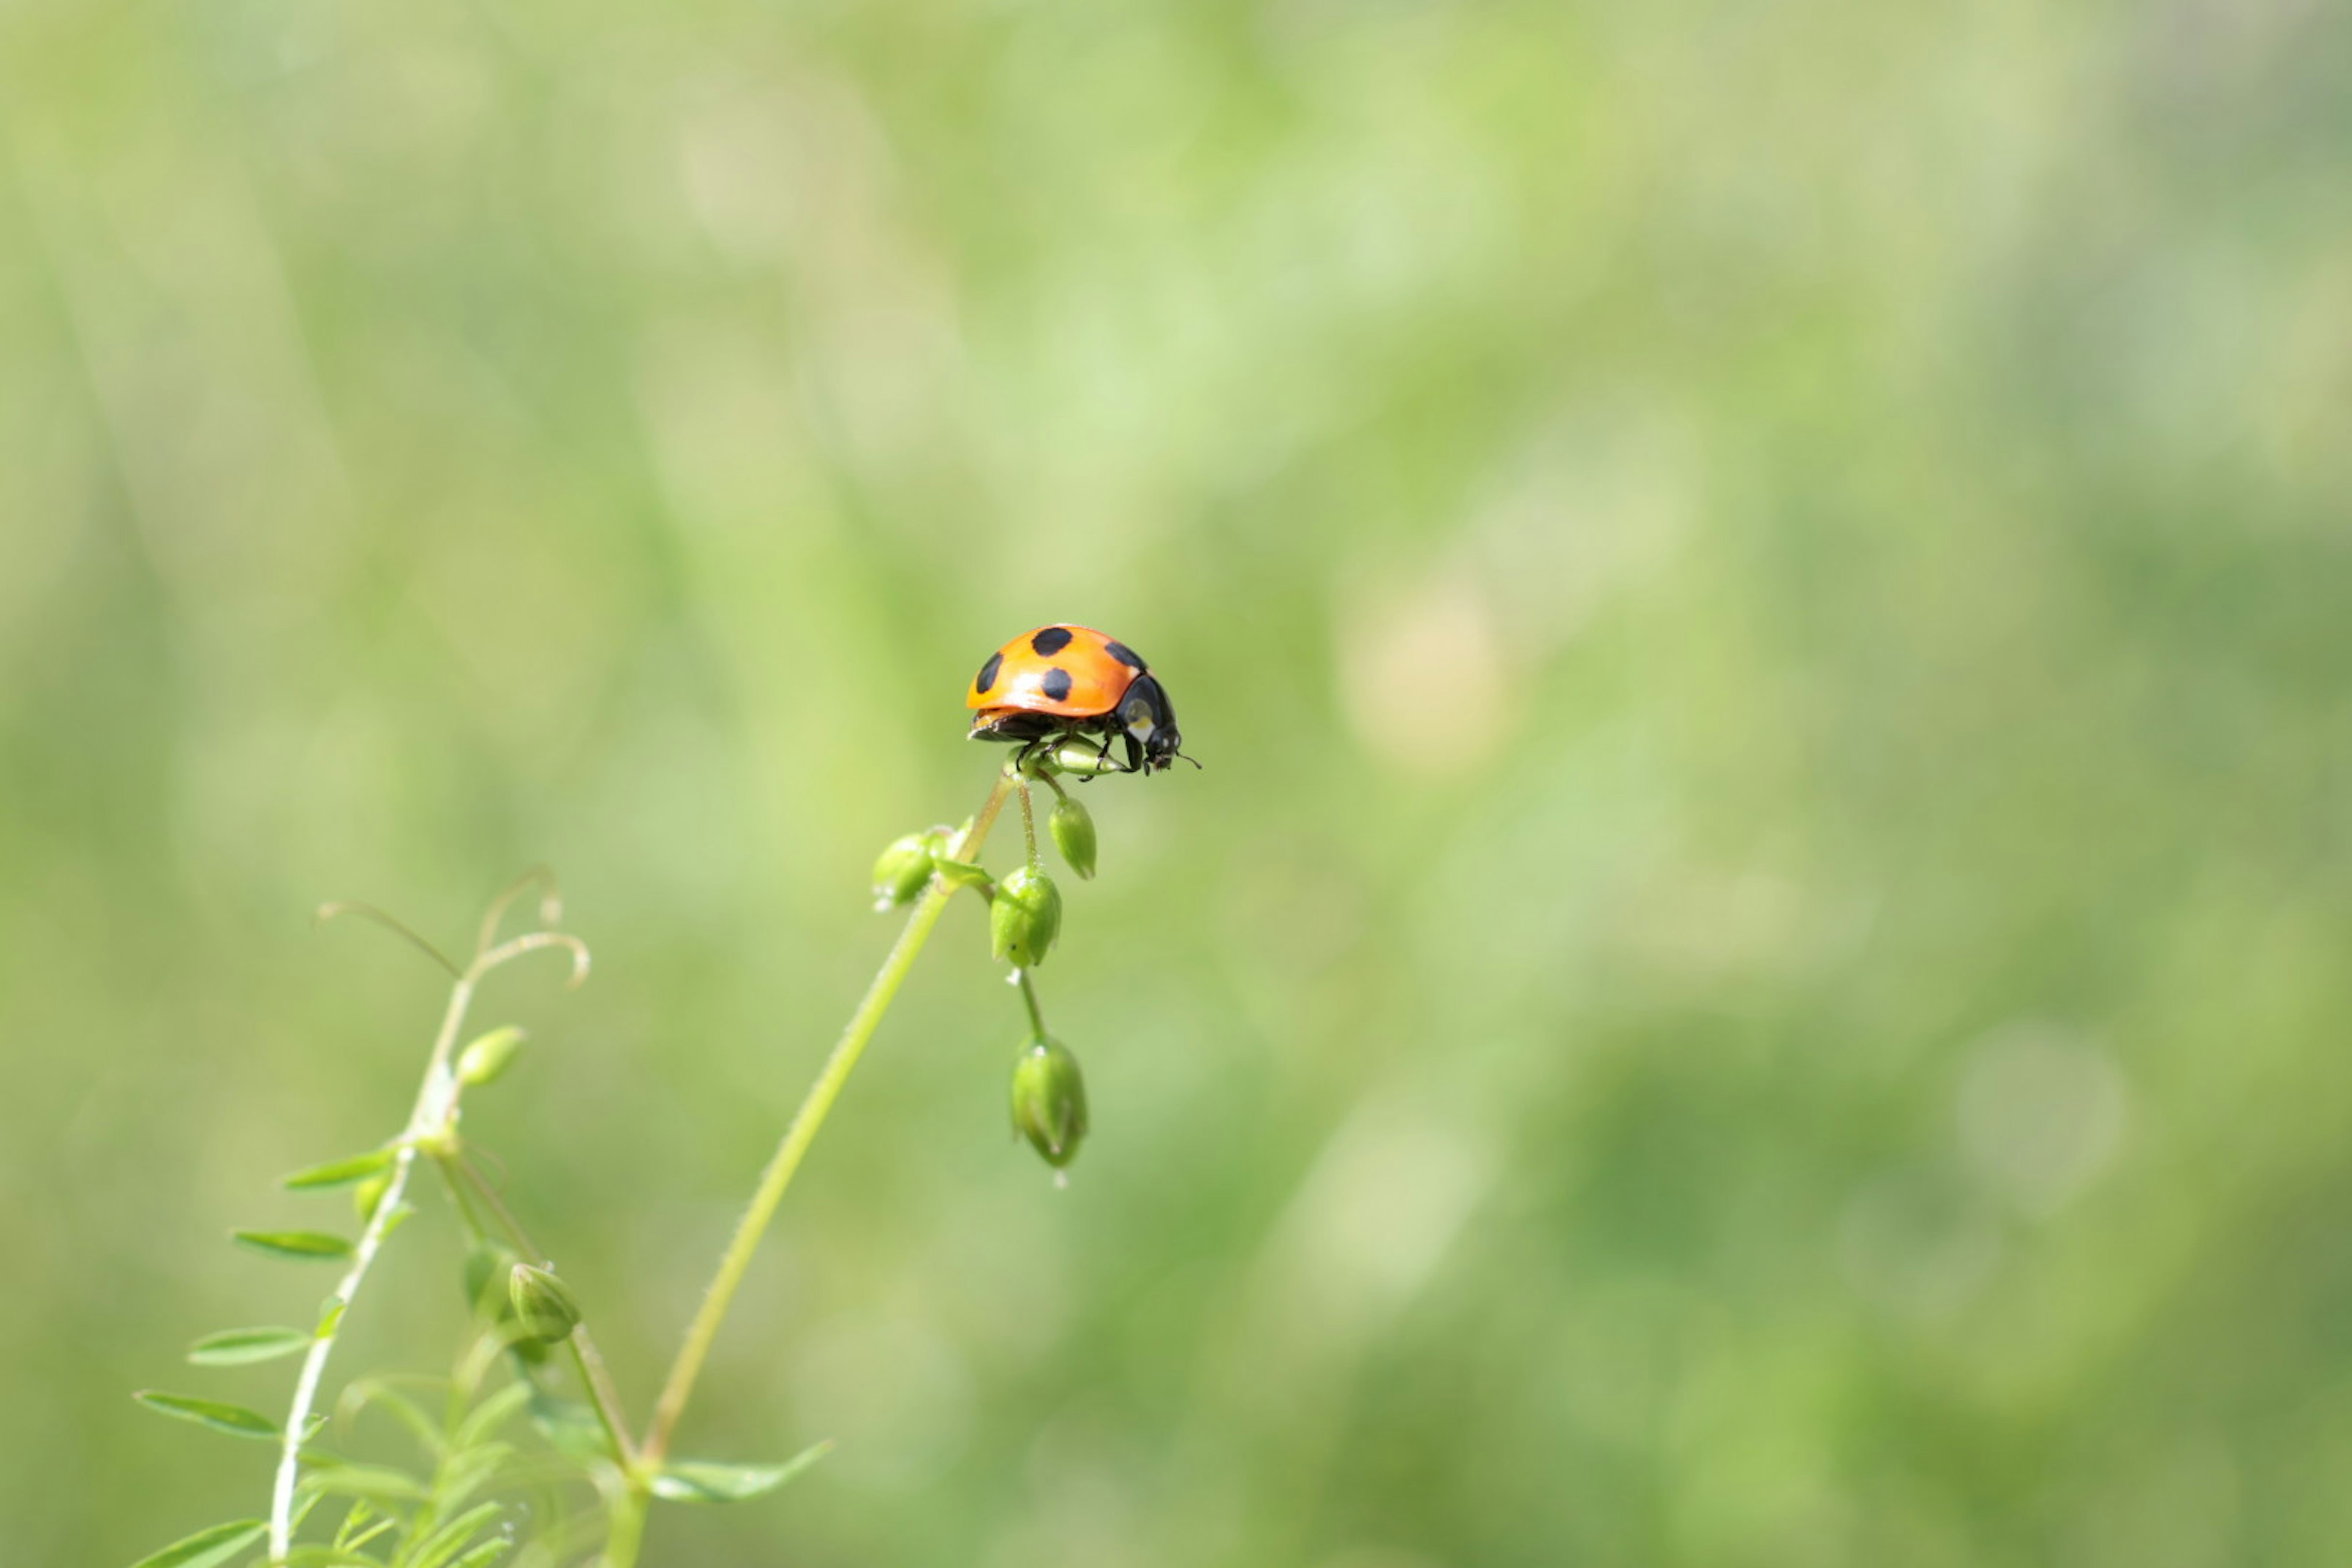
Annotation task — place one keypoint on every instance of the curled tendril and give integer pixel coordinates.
(397, 927)
(533, 941)
(551, 904)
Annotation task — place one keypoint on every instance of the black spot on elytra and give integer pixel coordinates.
(1124, 654)
(988, 673)
(1051, 641)
(1056, 685)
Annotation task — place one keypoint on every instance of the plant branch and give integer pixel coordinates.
(379, 1225)
(430, 1121)
(805, 1123)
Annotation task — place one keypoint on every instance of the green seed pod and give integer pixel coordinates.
(544, 1305)
(487, 1059)
(905, 866)
(1049, 1101)
(1083, 759)
(368, 1195)
(1073, 827)
(1025, 918)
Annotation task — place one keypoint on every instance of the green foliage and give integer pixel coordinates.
(695, 1480)
(402, 1516)
(239, 1347)
(301, 1246)
(209, 1548)
(340, 1173)
(219, 1415)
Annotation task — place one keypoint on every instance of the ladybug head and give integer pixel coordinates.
(1153, 741)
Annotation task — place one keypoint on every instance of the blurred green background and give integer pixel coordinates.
(1758, 973)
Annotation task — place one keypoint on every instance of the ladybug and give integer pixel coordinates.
(1064, 681)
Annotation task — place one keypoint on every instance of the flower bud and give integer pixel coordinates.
(489, 1056)
(1073, 827)
(1049, 1101)
(905, 866)
(1026, 917)
(368, 1195)
(543, 1304)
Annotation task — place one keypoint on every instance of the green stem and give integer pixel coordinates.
(778, 1176)
(624, 1526)
(1029, 827)
(1029, 999)
(431, 1109)
(608, 1410)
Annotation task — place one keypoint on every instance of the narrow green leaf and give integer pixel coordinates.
(304, 1246)
(366, 1392)
(208, 1548)
(377, 1483)
(492, 1413)
(468, 1472)
(233, 1419)
(356, 1530)
(237, 1347)
(329, 1557)
(570, 1428)
(698, 1480)
(338, 1172)
(330, 1317)
(482, 1556)
(442, 1547)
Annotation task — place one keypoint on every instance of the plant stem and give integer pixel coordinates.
(433, 1115)
(1029, 827)
(1029, 999)
(805, 1123)
(608, 1409)
(624, 1526)
(379, 1225)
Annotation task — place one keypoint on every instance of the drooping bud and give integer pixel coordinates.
(487, 1058)
(1049, 1101)
(544, 1305)
(905, 866)
(1073, 827)
(1026, 917)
